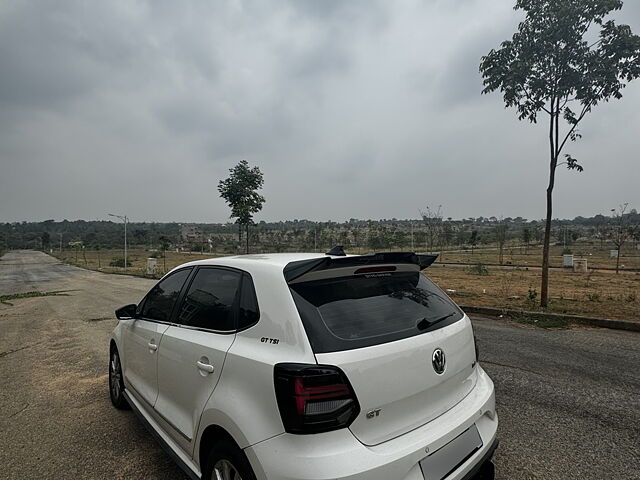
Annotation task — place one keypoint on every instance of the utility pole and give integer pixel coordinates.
(125, 220)
(60, 243)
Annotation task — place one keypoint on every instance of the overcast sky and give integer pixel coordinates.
(364, 109)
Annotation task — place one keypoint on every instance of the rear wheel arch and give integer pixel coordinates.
(211, 435)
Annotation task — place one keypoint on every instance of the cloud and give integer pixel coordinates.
(351, 109)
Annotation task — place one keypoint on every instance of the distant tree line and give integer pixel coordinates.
(357, 236)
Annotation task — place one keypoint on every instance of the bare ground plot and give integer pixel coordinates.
(597, 293)
(597, 257)
(100, 259)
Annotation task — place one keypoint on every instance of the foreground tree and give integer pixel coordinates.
(549, 68)
(240, 191)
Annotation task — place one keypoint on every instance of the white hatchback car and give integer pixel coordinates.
(307, 366)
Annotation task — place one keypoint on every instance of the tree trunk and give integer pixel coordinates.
(618, 259)
(544, 288)
(247, 238)
(239, 232)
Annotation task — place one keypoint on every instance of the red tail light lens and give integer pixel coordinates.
(314, 398)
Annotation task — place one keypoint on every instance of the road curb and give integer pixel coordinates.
(589, 321)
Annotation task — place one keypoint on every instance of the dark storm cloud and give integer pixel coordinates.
(351, 108)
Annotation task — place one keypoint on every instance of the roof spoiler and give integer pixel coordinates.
(295, 270)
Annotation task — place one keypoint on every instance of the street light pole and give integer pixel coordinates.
(125, 220)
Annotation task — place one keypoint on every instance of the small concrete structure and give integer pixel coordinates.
(152, 266)
(580, 265)
(567, 261)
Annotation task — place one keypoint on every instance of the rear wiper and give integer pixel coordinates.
(423, 323)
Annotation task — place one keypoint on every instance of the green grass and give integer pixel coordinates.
(16, 296)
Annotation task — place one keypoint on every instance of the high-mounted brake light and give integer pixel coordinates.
(386, 268)
(314, 398)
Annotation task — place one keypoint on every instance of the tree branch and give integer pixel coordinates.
(585, 110)
(526, 94)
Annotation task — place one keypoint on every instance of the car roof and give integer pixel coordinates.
(274, 262)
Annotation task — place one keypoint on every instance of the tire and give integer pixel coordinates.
(116, 381)
(227, 462)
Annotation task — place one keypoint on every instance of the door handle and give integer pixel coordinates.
(205, 367)
(152, 346)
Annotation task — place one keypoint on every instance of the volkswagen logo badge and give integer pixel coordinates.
(438, 361)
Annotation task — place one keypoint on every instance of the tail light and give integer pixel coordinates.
(314, 398)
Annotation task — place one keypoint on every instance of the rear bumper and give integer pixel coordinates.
(339, 455)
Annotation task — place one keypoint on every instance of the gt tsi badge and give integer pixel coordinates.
(438, 361)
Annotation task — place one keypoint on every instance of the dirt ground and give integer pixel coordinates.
(567, 399)
(598, 293)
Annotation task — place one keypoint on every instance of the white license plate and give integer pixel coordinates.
(446, 459)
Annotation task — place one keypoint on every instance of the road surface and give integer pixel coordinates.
(568, 400)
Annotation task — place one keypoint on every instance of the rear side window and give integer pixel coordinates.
(363, 310)
(210, 300)
(248, 313)
(159, 302)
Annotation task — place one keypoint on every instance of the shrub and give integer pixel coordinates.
(119, 262)
(478, 269)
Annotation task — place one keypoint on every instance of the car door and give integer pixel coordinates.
(192, 352)
(143, 334)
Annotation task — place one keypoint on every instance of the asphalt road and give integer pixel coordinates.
(568, 400)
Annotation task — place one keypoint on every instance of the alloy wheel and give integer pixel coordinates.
(116, 375)
(224, 470)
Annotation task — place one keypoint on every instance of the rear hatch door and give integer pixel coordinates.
(382, 323)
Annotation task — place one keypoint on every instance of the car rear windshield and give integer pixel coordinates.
(363, 310)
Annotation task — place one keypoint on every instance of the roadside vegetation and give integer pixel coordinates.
(489, 261)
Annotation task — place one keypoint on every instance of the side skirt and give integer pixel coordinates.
(184, 466)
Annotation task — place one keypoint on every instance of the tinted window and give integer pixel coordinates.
(160, 300)
(358, 311)
(248, 313)
(210, 300)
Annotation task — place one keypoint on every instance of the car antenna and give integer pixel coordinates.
(337, 251)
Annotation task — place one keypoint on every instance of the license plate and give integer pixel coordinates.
(446, 459)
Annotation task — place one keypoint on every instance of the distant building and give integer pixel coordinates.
(190, 233)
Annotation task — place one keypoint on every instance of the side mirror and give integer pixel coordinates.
(127, 312)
